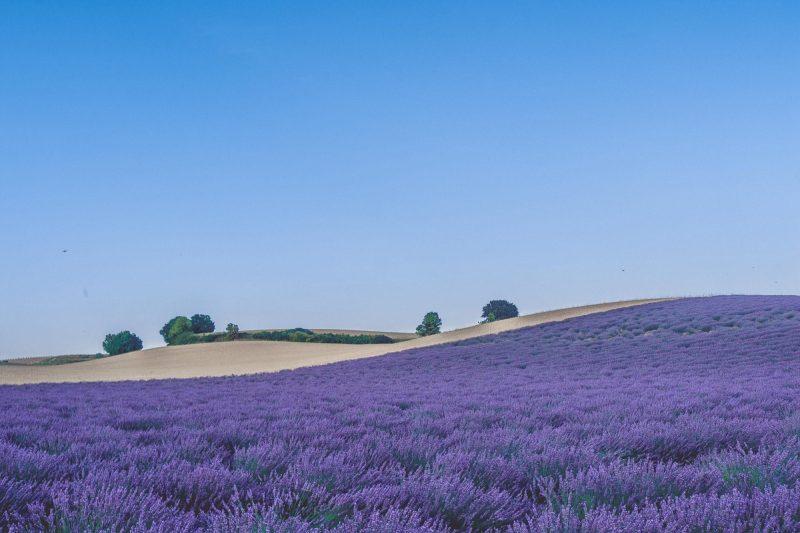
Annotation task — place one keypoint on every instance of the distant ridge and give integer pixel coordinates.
(253, 357)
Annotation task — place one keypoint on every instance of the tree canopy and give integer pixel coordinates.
(122, 342)
(175, 327)
(431, 324)
(231, 332)
(202, 324)
(499, 310)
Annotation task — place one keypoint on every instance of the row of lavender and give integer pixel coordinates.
(678, 416)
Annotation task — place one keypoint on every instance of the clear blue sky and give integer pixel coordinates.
(340, 164)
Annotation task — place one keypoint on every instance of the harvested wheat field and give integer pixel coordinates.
(251, 357)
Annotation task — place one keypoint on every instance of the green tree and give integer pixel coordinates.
(431, 324)
(122, 342)
(499, 310)
(202, 324)
(231, 332)
(176, 326)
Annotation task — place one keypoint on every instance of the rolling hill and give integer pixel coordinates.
(250, 357)
(674, 416)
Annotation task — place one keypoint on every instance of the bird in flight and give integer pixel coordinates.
(63, 251)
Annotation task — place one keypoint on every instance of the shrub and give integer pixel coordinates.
(431, 324)
(299, 336)
(231, 332)
(173, 328)
(202, 324)
(271, 335)
(187, 337)
(122, 342)
(499, 310)
(305, 335)
(300, 330)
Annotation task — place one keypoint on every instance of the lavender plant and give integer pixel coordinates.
(676, 416)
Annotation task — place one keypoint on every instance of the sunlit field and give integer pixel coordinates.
(673, 416)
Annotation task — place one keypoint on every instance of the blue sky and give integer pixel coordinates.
(339, 164)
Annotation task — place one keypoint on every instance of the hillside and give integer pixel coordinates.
(250, 357)
(674, 416)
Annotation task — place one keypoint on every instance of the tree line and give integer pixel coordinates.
(200, 328)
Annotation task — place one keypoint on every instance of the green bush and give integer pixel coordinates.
(173, 328)
(431, 324)
(122, 342)
(294, 335)
(499, 310)
(212, 337)
(187, 337)
(305, 335)
(202, 324)
(299, 336)
(231, 332)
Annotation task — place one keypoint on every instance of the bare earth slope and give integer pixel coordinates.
(251, 357)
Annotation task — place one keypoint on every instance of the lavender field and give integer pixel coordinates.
(676, 416)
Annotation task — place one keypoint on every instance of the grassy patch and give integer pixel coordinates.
(52, 360)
